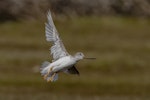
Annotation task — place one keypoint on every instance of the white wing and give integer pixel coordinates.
(57, 50)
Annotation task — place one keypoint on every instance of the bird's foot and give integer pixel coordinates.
(51, 78)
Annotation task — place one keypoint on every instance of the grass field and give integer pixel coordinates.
(120, 72)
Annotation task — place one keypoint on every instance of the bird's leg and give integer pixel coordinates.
(45, 76)
(51, 78)
(50, 70)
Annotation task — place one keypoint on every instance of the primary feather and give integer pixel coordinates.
(57, 50)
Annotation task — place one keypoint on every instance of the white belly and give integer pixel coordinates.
(62, 63)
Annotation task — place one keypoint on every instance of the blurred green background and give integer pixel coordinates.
(120, 40)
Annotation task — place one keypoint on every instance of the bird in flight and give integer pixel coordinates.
(62, 60)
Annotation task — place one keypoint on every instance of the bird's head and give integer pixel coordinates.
(80, 55)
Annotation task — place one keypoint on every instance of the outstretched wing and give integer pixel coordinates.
(57, 50)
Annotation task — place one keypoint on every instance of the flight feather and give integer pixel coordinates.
(57, 50)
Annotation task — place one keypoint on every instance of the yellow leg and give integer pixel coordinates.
(52, 77)
(45, 76)
(50, 70)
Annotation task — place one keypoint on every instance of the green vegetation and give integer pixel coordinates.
(120, 72)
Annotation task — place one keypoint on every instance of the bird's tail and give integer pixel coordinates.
(44, 71)
(44, 68)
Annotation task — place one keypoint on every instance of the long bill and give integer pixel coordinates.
(90, 58)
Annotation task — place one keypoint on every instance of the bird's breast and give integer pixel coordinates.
(63, 63)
